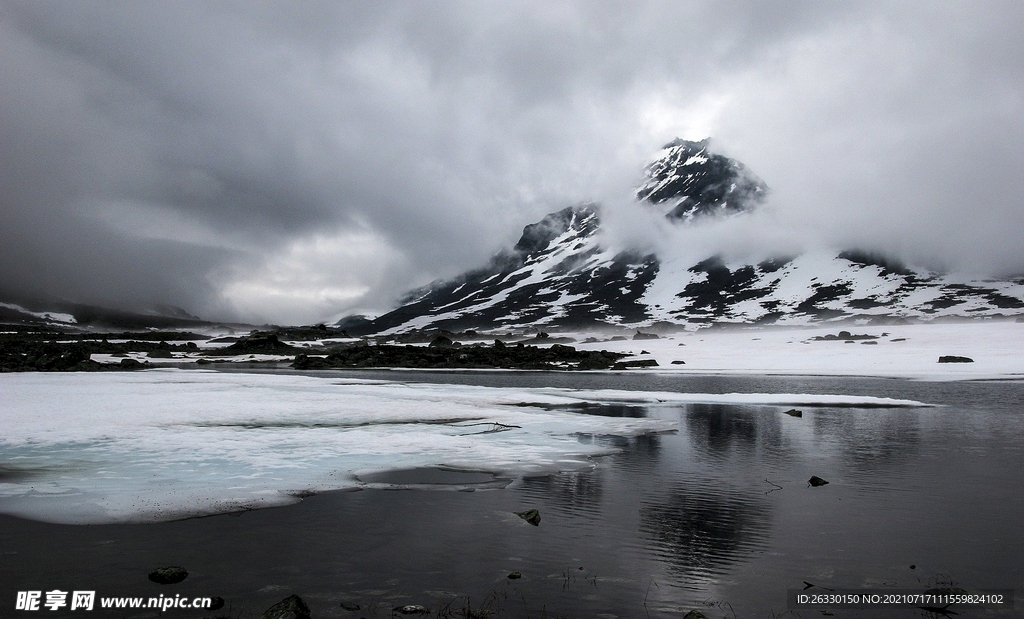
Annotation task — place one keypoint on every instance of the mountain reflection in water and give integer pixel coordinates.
(700, 530)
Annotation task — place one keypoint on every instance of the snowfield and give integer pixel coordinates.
(900, 351)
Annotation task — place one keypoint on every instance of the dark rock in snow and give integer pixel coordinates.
(794, 413)
(678, 362)
(168, 575)
(531, 515)
(955, 359)
(845, 336)
(645, 336)
(257, 343)
(292, 607)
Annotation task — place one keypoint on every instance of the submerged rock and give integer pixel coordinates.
(216, 603)
(168, 575)
(292, 607)
(531, 515)
(515, 576)
(816, 481)
(412, 609)
(695, 614)
(350, 606)
(955, 359)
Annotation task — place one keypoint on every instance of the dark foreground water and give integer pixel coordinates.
(718, 517)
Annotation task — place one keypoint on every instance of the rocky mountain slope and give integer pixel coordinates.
(560, 275)
(72, 317)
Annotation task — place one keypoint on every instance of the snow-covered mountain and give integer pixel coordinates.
(69, 316)
(561, 275)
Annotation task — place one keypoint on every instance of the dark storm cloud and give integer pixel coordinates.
(282, 161)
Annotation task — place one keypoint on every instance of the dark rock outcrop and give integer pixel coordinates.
(520, 356)
(257, 343)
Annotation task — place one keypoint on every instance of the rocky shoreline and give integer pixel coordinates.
(55, 351)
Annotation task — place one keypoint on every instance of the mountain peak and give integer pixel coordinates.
(696, 182)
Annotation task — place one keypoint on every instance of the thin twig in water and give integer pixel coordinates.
(777, 486)
(648, 593)
(730, 609)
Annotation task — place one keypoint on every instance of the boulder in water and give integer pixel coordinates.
(168, 575)
(531, 515)
(292, 607)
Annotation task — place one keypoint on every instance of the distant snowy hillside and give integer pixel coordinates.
(560, 275)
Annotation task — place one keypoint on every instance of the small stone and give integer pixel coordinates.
(168, 575)
(531, 515)
(955, 359)
(816, 481)
(794, 413)
(350, 606)
(695, 614)
(216, 603)
(678, 362)
(515, 576)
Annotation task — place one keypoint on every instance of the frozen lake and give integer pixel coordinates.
(682, 491)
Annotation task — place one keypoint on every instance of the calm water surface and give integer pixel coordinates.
(716, 517)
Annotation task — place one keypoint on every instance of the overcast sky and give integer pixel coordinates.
(289, 162)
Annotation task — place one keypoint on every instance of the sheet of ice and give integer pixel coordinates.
(165, 444)
(905, 351)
